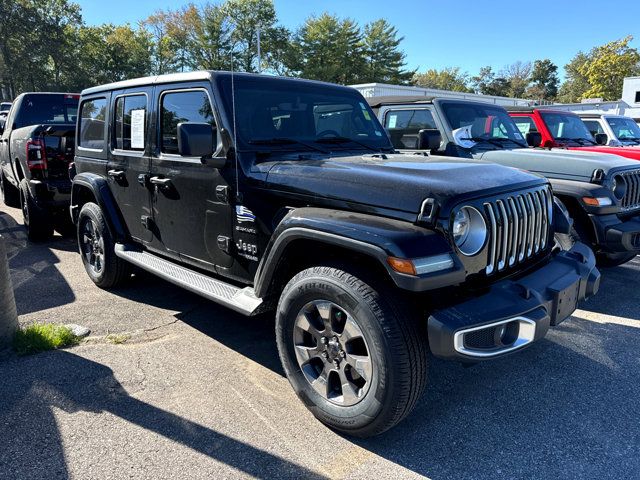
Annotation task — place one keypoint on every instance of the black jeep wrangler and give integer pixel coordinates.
(267, 193)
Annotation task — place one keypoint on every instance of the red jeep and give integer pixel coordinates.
(563, 129)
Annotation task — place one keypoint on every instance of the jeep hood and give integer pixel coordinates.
(628, 152)
(560, 164)
(393, 181)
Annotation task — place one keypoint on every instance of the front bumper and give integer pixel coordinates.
(617, 236)
(515, 313)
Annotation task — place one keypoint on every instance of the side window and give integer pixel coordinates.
(525, 125)
(594, 126)
(181, 107)
(129, 122)
(403, 126)
(92, 123)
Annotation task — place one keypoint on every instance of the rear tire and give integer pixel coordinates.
(97, 249)
(36, 220)
(327, 314)
(10, 194)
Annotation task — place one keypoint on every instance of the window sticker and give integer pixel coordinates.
(393, 120)
(137, 128)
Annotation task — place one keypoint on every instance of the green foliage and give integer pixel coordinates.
(607, 67)
(330, 49)
(544, 79)
(449, 78)
(575, 84)
(41, 337)
(488, 83)
(384, 61)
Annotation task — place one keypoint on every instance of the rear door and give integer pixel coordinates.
(191, 201)
(129, 159)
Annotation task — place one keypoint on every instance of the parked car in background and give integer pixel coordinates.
(4, 111)
(621, 131)
(36, 148)
(560, 129)
(264, 193)
(601, 192)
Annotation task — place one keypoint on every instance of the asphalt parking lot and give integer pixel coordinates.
(171, 386)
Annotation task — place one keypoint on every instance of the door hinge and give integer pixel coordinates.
(222, 193)
(224, 243)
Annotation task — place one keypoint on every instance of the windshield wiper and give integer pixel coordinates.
(285, 141)
(338, 140)
(580, 140)
(635, 140)
(490, 141)
(522, 144)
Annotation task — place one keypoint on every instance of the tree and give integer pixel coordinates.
(384, 61)
(247, 17)
(487, 83)
(544, 80)
(575, 84)
(330, 49)
(518, 76)
(449, 78)
(607, 67)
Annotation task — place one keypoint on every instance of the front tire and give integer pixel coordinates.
(10, 194)
(36, 220)
(97, 249)
(351, 351)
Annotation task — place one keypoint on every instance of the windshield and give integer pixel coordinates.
(567, 126)
(491, 127)
(47, 109)
(292, 115)
(624, 128)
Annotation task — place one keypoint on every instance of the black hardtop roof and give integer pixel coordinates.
(201, 75)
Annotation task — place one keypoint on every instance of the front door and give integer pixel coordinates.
(129, 159)
(191, 201)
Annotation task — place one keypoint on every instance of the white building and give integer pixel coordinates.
(369, 90)
(628, 105)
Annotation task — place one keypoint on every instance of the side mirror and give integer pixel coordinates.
(429, 139)
(602, 138)
(195, 139)
(534, 139)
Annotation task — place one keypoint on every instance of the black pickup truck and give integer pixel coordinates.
(272, 194)
(36, 148)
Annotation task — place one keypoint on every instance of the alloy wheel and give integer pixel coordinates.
(332, 353)
(92, 246)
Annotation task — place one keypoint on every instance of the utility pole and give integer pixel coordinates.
(259, 59)
(8, 313)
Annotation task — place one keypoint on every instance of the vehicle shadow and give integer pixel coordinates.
(32, 387)
(37, 283)
(564, 408)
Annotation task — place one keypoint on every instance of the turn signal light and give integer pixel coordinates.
(402, 265)
(597, 201)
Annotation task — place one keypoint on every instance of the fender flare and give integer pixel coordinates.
(373, 236)
(99, 187)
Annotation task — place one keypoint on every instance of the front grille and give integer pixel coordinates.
(518, 227)
(631, 199)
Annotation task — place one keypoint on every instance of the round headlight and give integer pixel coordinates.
(619, 187)
(469, 230)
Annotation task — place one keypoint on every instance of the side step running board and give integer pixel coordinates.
(242, 300)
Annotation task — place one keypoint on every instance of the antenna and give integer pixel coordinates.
(235, 129)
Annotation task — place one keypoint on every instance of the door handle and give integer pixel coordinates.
(160, 182)
(117, 174)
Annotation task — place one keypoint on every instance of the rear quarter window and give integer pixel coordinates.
(93, 124)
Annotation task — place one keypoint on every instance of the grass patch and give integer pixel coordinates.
(118, 338)
(41, 337)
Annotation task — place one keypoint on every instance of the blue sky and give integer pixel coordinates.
(464, 33)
